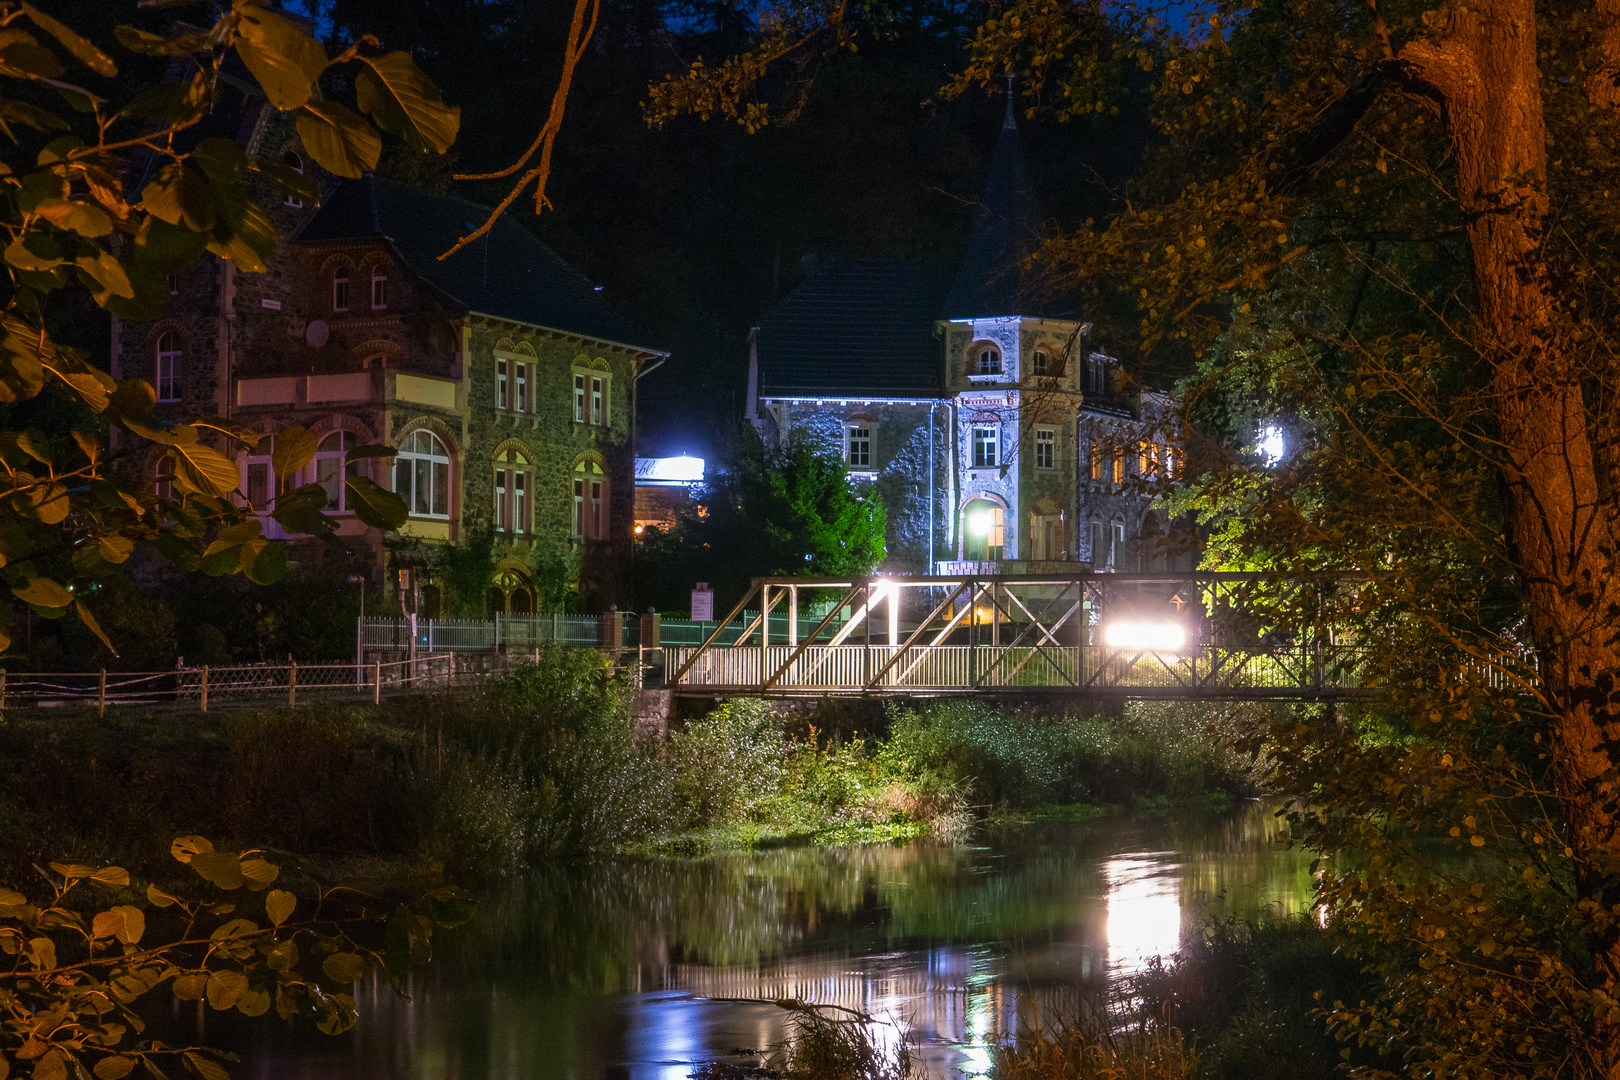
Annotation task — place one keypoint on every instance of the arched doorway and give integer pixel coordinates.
(512, 592)
(983, 531)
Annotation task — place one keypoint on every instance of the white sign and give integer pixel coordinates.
(702, 603)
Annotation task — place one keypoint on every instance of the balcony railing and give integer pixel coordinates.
(349, 386)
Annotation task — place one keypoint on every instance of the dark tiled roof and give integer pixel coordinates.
(1006, 231)
(506, 273)
(856, 328)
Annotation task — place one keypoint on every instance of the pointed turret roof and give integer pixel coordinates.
(990, 280)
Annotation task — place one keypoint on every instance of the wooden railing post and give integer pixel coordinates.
(101, 694)
(292, 683)
(205, 688)
(376, 682)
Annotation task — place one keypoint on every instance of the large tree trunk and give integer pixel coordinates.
(1481, 67)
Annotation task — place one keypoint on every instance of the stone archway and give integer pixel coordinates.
(512, 592)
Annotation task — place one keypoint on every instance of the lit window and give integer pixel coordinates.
(522, 387)
(340, 291)
(985, 440)
(296, 164)
(503, 389)
(1119, 464)
(422, 475)
(379, 290)
(1045, 448)
(170, 360)
(590, 502)
(860, 447)
(1144, 458)
(1096, 457)
(579, 399)
(989, 361)
(512, 491)
(598, 405)
(333, 468)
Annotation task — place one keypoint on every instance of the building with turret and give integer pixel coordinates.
(1000, 438)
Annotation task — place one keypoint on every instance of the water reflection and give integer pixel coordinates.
(641, 970)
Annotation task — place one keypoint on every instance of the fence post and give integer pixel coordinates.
(292, 683)
(376, 682)
(205, 688)
(611, 625)
(101, 694)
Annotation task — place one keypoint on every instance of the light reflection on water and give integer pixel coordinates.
(643, 970)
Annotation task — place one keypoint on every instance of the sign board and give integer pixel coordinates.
(702, 603)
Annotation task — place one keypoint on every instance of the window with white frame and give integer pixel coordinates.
(1100, 555)
(599, 399)
(989, 361)
(1116, 545)
(579, 398)
(1041, 363)
(590, 502)
(422, 475)
(296, 163)
(503, 384)
(986, 443)
(858, 440)
(1045, 448)
(340, 290)
(512, 479)
(170, 362)
(258, 481)
(522, 379)
(333, 469)
(379, 290)
(163, 486)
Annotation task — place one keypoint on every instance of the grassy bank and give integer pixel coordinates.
(544, 762)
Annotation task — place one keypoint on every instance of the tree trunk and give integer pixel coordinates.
(1482, 68)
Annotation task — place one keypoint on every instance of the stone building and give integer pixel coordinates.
(975, 402)
(501, 374)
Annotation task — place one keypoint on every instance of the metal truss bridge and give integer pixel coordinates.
(1179, 636)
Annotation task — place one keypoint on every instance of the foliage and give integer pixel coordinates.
(790, 510)
(1021, 758)
(66, 515)
(825, 1045)
(85, 956)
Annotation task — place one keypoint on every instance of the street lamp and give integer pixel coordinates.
(1150, 636)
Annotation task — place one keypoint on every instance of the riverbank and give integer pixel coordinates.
(545, 763)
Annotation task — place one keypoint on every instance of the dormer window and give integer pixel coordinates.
(989, 361)
(296, 163)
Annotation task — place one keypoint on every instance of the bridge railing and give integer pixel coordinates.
(785, 669)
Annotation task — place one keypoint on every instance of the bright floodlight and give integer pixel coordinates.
(1271, 446)
(979, 524)
(1154, 636)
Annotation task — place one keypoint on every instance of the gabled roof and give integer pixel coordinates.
(1006, 231)
(507, 273)
(855, 328)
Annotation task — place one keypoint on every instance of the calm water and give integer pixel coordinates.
(641, 970)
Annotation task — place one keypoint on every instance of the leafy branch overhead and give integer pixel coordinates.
(75, 965)
(67, 513)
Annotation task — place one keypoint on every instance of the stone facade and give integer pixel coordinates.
(354, 333)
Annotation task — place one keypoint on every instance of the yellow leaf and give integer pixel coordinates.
(279, 905)
(158, 898)
(184, 847)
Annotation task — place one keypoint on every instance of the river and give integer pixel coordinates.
(642, 970)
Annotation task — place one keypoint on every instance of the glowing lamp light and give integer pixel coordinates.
(1271, 446)
(979, 524)
(1152, 636)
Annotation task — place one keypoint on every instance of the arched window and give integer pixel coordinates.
(983, 530)
(590, 502)
(512, 593)
(989, 361)
(340, 289)
(512, 486)
(296, 164)
(379, 290)
(333, 468)
(163, 486)
(170, 358)
(422, 475)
